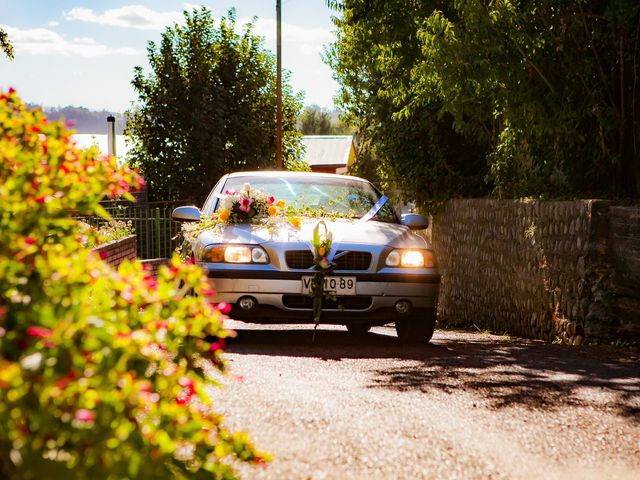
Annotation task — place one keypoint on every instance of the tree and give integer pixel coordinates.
(208, 107)
(5, 44)
(545, 93)
(415, 152)
(315, 121)
(320, 121)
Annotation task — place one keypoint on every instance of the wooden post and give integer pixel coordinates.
(279, 163)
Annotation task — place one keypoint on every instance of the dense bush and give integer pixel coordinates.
(106, 373)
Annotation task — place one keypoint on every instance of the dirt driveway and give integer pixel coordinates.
(468, 405)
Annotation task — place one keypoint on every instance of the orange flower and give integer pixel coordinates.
(280, 203)
(295, 222)
(322, 251)
(272, 211)
(223, 216)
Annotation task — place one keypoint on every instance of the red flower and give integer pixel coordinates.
(271, 199)
(85, 416)
(224, 307)
(30, 240)
(187, 383)
(219, 345)
(41, 199)
(64, 381)
(38, 332)
(186, 393)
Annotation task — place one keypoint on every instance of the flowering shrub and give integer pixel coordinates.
(110, 231)
(103, 373)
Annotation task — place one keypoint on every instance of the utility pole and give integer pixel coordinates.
(279, 164)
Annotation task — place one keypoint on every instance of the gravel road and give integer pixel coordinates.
(467, 405)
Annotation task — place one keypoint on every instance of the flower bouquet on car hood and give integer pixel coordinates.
(251, 205)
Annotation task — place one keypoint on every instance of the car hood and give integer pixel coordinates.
(343, 231)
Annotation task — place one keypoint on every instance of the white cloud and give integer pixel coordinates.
(129, 16)
(266, 27)
(53, 23)
(41, 41)
(309, 41)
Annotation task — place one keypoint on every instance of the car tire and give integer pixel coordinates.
(358, 329)
(416, 328)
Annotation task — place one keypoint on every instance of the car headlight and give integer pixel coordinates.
(235, 254)
(410, 258)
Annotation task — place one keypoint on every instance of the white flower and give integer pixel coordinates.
(184, 451)
(246, 188)
(227, 203)
(32, 362)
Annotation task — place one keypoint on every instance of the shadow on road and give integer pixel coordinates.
(506, 371)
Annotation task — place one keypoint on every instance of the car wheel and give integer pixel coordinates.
(358, 329)
(416, 328)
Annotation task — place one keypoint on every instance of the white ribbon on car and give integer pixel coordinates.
(375, 209)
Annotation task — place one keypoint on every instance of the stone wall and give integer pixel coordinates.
(625, 257)
(114, 253)
(539, 269)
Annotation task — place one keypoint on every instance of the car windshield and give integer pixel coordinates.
(335, 196)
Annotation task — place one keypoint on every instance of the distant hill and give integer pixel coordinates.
(85, 120)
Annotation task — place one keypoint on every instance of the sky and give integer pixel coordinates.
(83, 52)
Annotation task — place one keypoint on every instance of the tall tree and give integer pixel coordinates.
(208, 107)
(5, 44)
(539, 97)
(415, 152)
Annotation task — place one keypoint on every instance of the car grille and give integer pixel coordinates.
(303, 260)
(348, 303)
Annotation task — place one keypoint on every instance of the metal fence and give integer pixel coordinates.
(154, 229)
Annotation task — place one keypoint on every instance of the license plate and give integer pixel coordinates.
(335, 285)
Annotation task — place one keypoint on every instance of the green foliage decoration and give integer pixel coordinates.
(321, 243)
(208, 107)
(103, 373)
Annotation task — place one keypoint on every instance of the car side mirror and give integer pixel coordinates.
(414, 221)
(186, 214)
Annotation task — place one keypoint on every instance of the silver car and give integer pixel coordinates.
(383, 271)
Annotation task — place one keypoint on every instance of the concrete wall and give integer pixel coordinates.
(114, 253)
(547, 270)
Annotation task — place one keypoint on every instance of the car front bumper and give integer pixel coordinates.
(279, 295)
